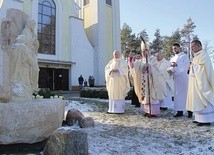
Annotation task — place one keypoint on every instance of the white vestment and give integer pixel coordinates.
(180, 77)
(168, 80)
(117, 84)
(200, 97)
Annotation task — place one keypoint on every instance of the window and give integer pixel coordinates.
(86, 2)
(109, 2)
(46, 26)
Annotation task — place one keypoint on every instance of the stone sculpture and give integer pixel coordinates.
(24, 65)
(22, 118)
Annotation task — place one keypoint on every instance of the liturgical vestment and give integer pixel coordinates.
(152, 88)
(117, 84)
(200, 97)
(180, 77)
(162, 66)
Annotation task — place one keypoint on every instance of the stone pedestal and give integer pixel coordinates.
(67, 141)
(30, 121)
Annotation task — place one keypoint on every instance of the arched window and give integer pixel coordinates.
(46, 26)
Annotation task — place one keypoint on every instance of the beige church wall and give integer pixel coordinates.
(109, 38)
(116, 25)
(27, 7)
(67, 13)
(88, 23)
(102, 27)
(82, 52)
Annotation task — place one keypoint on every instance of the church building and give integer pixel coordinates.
(77, 37)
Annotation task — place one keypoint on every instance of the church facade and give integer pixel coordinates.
(77, 37)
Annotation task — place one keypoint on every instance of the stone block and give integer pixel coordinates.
(30, 121)
(5, 27)
(67, 141)
(86, 122)
(73, 116)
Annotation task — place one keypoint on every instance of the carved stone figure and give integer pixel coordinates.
(16, 23)
(24, 65)
(33, 45)
(22, 62)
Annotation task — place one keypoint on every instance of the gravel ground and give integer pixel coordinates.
(133, 134)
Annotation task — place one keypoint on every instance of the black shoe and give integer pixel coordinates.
(173, 98)
(194, 122)
(109, 113)
(189, 114)
(151, 116)
(179, 114)
(146, 114)
(203, 124)
(161, 108)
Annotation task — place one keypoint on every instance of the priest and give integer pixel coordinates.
(163, 65)
(117, 83)
(200, 97)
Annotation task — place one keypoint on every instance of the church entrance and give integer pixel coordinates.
(54, 79)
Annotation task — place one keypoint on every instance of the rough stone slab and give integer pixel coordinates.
(18, 20)
(73, 116)
(5, 27)
(30, 121)
(87, 122)
(67, 141)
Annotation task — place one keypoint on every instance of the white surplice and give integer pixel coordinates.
(180, 77)
(168, 80)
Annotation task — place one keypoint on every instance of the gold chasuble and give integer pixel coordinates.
(151, 92)
(136, 73)
(156, 85)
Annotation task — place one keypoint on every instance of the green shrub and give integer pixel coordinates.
(92, 92)
(103, 94)
(45, 92)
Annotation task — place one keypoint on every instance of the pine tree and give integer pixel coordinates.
(126, 39)
(187, 34)
(144, 34)
(169, 41)
(157, 44)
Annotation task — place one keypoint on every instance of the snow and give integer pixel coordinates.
(133, 134)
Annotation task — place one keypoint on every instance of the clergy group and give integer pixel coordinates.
(159, 83)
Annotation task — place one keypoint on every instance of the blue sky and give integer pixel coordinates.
(168, 15)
